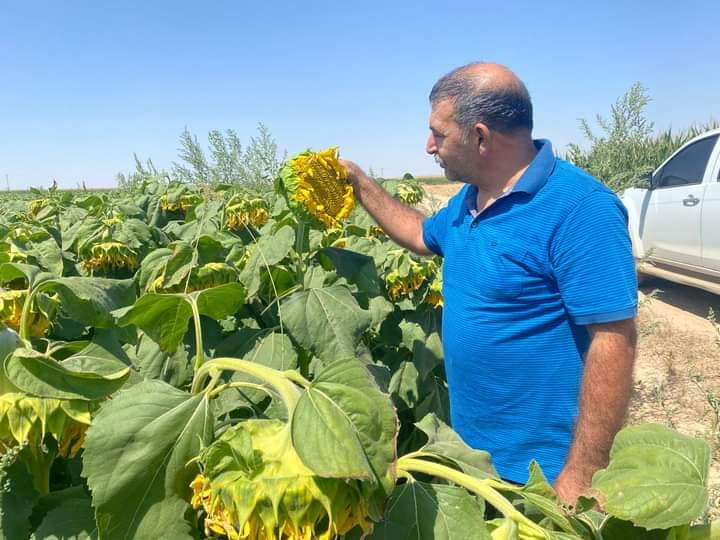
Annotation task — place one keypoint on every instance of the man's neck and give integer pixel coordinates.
(506, 171)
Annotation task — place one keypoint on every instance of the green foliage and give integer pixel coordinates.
(280, 368)
(627, 148)
(228, 163)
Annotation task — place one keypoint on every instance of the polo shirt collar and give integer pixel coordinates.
(534, 177)
(540, 168)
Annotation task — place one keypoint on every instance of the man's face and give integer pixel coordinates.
(446, 142)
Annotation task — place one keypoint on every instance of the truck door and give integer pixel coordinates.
(710, 221)
(672, 223)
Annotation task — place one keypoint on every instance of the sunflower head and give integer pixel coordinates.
(36, 205)
(11, 307)
(315, 184)
(180, 203)
(254, 486)
(27, 419)
(244, 211)
(406, 280)
(113, 220)
(213, 274)
(409, 192)
(106, 256)
(434, 295)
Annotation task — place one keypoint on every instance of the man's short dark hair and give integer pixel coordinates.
(504, 108)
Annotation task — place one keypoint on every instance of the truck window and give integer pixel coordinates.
(688, 166)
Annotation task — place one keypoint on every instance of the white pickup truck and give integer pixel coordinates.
(675, 221)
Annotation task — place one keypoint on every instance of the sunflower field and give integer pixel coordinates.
(181, 362)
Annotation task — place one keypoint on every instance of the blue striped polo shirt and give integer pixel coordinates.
(521, 280)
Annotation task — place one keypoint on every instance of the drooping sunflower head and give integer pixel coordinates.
(36, 205)
(434, 295)
(315, 184)
(11, 307)
(254, 486)
(405, 280)
(26, 419)
(179, 202)
(115, 219)
(213, 274)
(244, 211)
(409, 192)
(106, 256)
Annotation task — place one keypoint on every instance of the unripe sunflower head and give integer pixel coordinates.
(254, 486)
(315, 185)
(106, 256)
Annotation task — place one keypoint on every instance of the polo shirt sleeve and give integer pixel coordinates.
(592, 259)
(435, 230)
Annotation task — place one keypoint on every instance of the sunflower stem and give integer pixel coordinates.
(25, 314)
(288, 392)
(483, 488)
(299, 245)
(199, 352)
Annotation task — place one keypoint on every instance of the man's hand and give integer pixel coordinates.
(402, 223)
(605, 393)
(354, 172)
(571, 484)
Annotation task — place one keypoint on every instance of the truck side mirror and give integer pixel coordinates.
(644, 181)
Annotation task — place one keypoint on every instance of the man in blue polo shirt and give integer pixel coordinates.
(539, 283)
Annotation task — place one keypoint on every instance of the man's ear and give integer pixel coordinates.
(482, 136)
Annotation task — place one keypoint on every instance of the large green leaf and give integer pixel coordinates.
(154, 363)
(379, 309)
(542, 498)
(90, 300)
(73, 519)
(656, 477)
(443, 441)
(404, 386)
(436, 399)
(137, 460)
(343, 426)
(356, 267)
(40, 376)
(49, 256)
(179, 264)
(221, 301)
(417, 510)
(426, 349)
(165, 317)
(17, 499)
(328, 321)
(268, 250)
(31, 274)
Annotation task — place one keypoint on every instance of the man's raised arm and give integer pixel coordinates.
(400, 222)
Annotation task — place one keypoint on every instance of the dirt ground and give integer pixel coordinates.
(677, 370)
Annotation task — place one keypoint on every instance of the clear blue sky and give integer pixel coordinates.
(83, 85)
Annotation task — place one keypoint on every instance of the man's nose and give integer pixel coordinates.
(430, 146)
